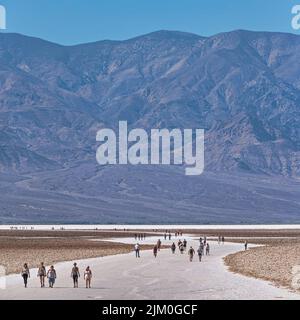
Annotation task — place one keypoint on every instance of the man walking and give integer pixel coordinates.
(137, 250)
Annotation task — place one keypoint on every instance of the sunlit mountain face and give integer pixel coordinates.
(242, 87)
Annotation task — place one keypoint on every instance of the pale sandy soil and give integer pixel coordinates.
(273, 262)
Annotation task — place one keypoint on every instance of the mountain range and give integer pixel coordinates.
(242, 87)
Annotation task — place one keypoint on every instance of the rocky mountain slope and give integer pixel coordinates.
(242, 87)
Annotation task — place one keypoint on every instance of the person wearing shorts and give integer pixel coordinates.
(42, 274)
(75, 275)
(51, 275)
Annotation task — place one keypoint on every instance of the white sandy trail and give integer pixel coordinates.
(167, 277)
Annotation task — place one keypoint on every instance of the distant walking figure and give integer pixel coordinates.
(181, 248)
(170, 236)
(158, 244)
(137, 250)
(200, 253)
(75, 274)
(155, 251)
(42, 274)
(88, 277)
(173, 247)
(184, 244)
(207, 249)
(191, 253)
(223, 240)
(179, 244)
(246, 245)
(51, 275)
(202, 248)
(165, 235)
(25, 273)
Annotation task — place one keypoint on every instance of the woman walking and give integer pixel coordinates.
(25, 273)
(88, 277)
(51, 275)
(42, 274)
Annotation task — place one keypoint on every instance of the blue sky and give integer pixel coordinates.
(77, 21)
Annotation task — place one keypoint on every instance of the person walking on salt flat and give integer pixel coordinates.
(137, 250)
(173, 247)
(88, 277)
(51, 275)
(75, 274)
(155, 249)
(200, 253)
(25, 273)
(191, 253)
(207, 249)
(42, 274)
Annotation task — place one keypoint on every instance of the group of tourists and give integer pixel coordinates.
(178, 234)
(51, 275)
(203, 249)
(168, 236)
(140, 236)
(221, 239)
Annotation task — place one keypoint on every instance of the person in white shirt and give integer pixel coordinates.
(137, 250)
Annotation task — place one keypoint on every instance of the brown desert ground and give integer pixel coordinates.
(50, 247)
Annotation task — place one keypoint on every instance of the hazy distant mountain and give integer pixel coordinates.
(243, 87)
